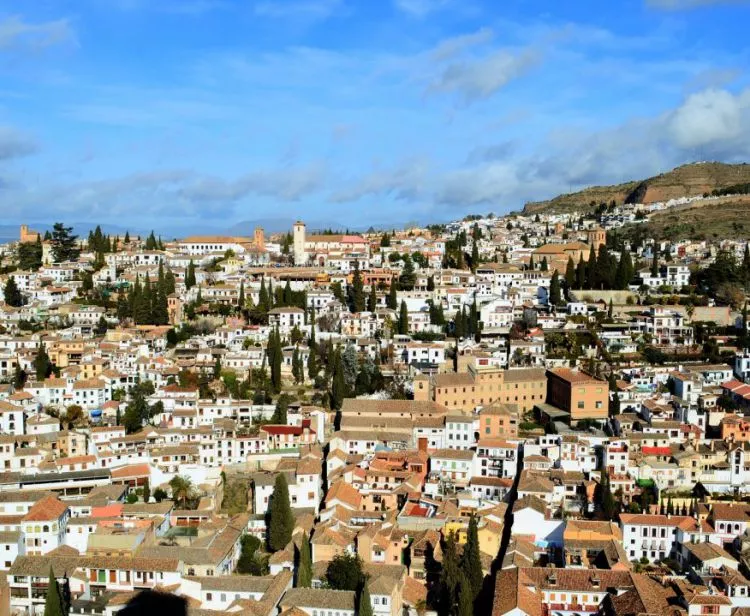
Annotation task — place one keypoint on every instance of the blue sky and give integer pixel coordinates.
(198, 114)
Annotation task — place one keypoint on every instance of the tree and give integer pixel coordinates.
(344, 572)
(338, 383)
(403, 319)
(471, 562)
(372, 299)
(363, 602)
(182, 488)
(42, 364)
(392, 301)
(53, 604)
(146, 491)
(64, 243)
(190, 275)
(159, 495)
(545, 266)
(606, 498)
(247, 564)
(408, 278)
(570, 273)
(304, 564)
(30, 255)
(555, 297)
(241, 297)
(358, 291)
(12, 294)
(465, 599)
(450, 578)
(281, 519)
(625, 271)
(655, 262)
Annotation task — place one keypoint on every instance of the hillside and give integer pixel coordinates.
(710, 219)
(685, 181)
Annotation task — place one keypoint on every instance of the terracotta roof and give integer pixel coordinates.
(47, 509)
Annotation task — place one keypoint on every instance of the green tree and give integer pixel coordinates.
(344, 572)
(372, 299)
(281, 519)
(304, 563)
(338, 383)
(53, 604)
(182, 488)
(241, 297)
(544, 267)
(363, 601)
(471, 562)
(392, 301)
(358, 291)
(450, 578)
(42, 364)
(64, 243)
(403, 319)
(146, 491)
(30, 255)
(12, 294)
(655, 262)
(570, 273)
(190, 275)
(625, 271)
(466, 598)
(555, 297)
(408, 278)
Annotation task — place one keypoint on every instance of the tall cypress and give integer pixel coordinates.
(358, 291)
(53, 604)
(190, 275)
(403, 319)
(372, 299)
(304, 567)
(471, 562)
(281, 519)
(392, 296)
(364, 603)
(555, 297)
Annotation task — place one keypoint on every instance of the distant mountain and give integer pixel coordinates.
(685, 181)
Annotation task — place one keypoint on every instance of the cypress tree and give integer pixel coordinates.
(372, 299)
(581, 275)
(465, 600)
(570, 273)
(358, 291)
(471, 562)
(275, 362)
(624, 273)
(655, 262)
(474, 256)
(12, 294)
(241, 298)
(312, 343)
(450, 577)
(392, 296)
(42, 363)
(304, 568)
(127, 237)
(190, 275)
(544, 266)
(338, 385)
(591, 270)
(531, 263)
(403, 319)
(297, 367)
(53, 604)
(312, 364)
(281, 519)
(287, 294)
(555, 297)
(263, 296)
(364, 603)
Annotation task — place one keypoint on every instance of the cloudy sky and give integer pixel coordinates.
(203, 113)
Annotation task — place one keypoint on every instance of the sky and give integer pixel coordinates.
(199, 114)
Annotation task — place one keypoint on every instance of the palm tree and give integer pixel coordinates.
(182, 488)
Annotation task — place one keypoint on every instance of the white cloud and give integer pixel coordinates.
(16, 33)
(453, 46)
(711, 117)
(479, 79)
(14, 144)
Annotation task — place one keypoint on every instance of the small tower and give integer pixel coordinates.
(596, 237)
(300, 256)
(260, 239)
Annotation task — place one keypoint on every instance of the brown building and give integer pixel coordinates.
(483, 386)
(596, 237)
(498, 420)
(578, 393)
